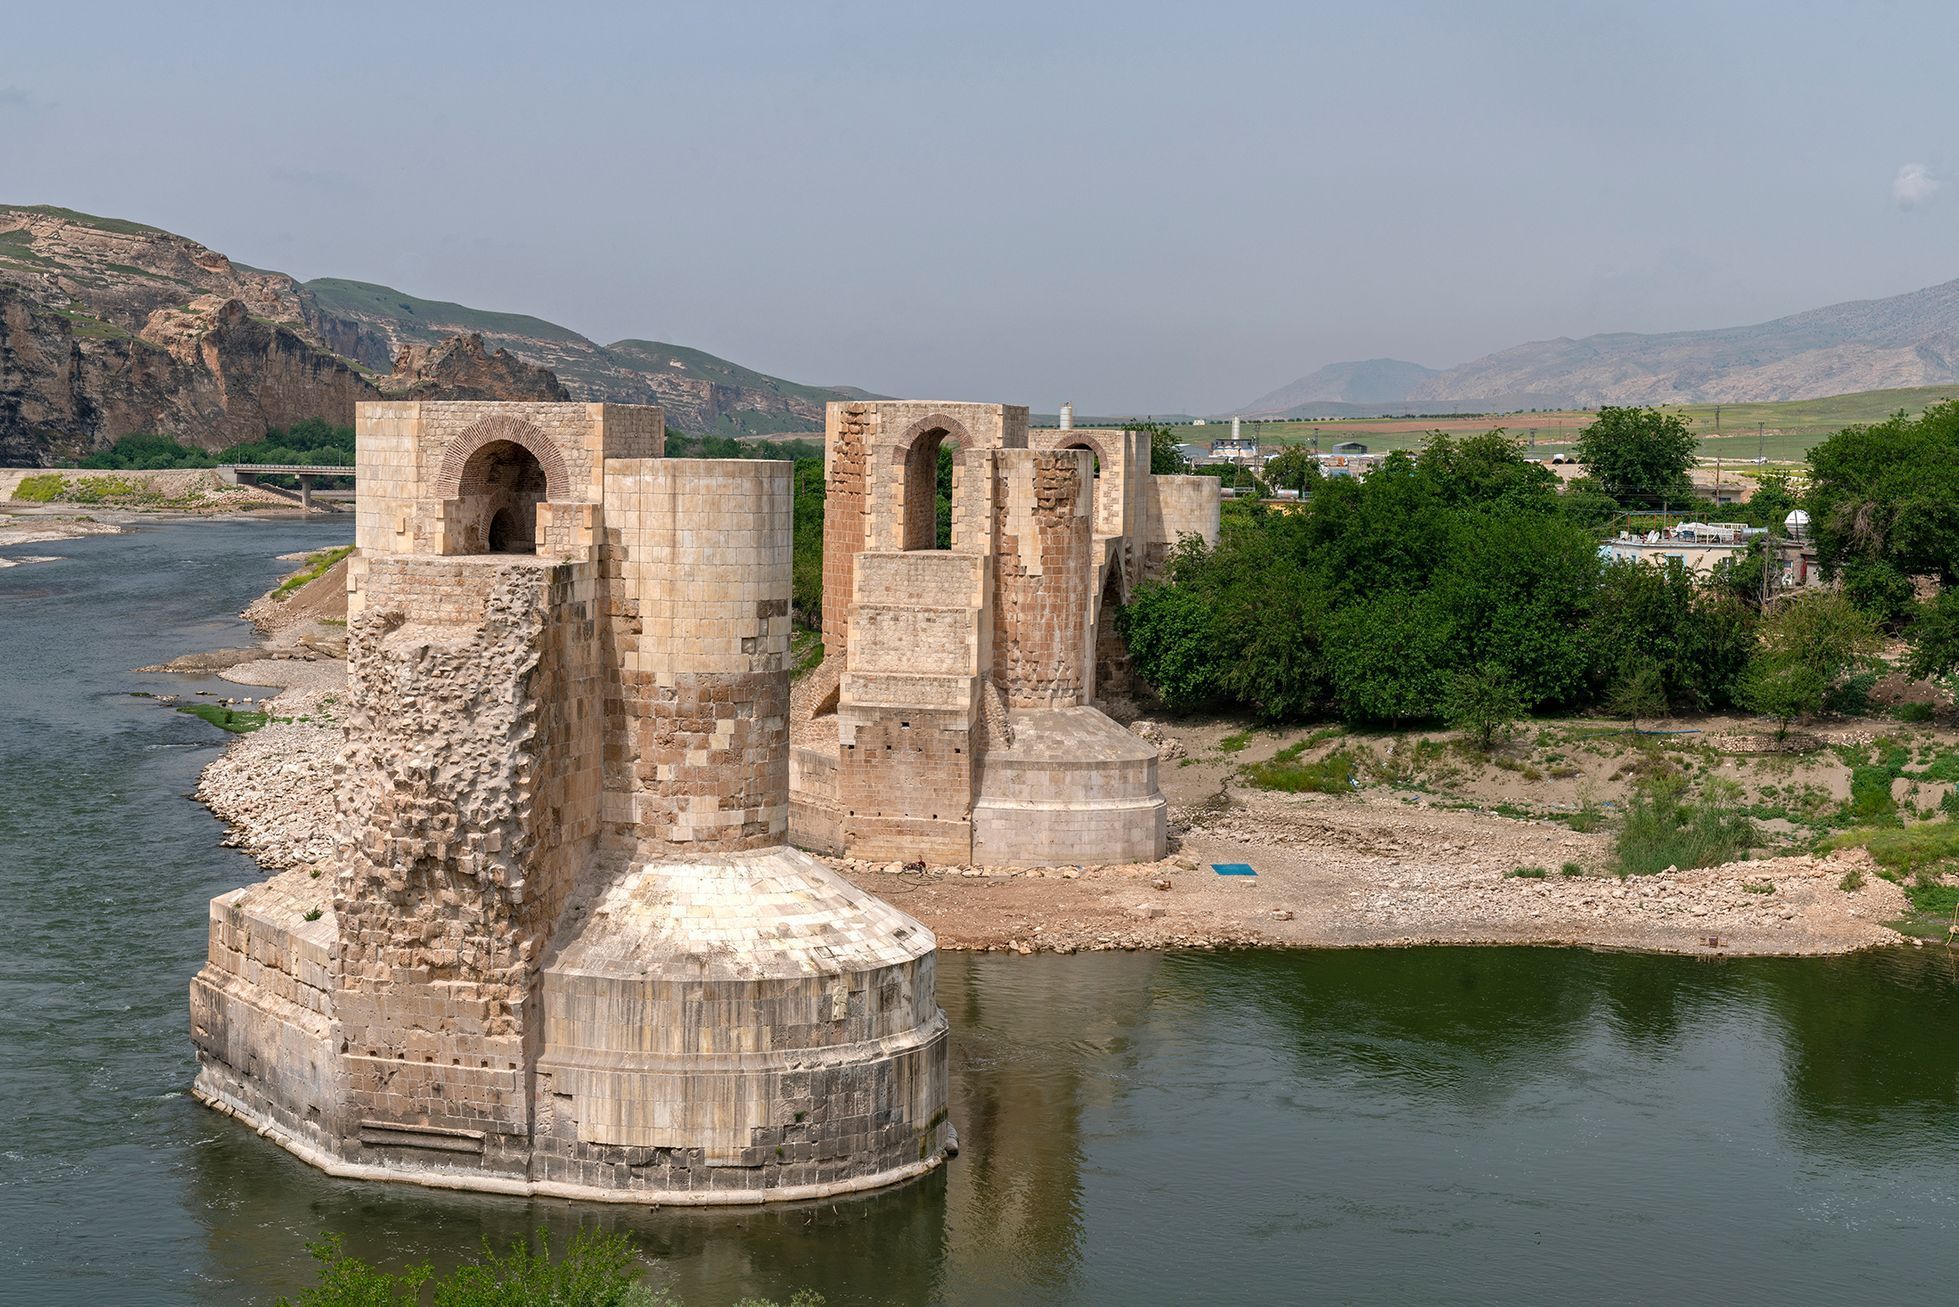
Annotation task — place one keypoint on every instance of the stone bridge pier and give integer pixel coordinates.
(566, 950)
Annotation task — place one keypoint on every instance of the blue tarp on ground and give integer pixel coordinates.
(1233, 869)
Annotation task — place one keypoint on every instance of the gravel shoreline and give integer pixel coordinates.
(1333, 872)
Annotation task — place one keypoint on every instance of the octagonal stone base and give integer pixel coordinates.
(740, 1028)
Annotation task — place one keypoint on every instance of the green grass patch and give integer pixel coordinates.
(1527, 873)
(1904, 848)
(43, 488)
(1933, 899)
(1334, 774)
(312, 569)
(1667, 827)
(1236, 742)
(1571, 869)
(238, 722)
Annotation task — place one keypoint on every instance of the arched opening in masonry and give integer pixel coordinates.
(928, 490)
(499, 490)
(1098, 486)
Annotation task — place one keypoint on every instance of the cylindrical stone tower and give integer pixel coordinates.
(731, 1021)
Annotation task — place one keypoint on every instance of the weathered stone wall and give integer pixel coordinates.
(850, 431)
(698, 556)
(797, 1044)
(567, 953)
(1042, 611)
(1061, 525)
(906, 767)
(411, 456)
(1122, 473)
(469, 790)
(1178, 506)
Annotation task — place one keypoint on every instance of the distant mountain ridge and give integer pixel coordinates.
(109, 327)
(700, 392)
(1339, 385)
(1881, 344)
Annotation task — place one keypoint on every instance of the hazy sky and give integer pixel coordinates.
(1137, 206)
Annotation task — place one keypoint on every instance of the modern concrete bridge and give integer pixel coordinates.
(248, 474)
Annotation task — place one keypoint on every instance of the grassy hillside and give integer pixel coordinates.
(121, 226)
(652, 355)
(1788, 429)
(435, 318)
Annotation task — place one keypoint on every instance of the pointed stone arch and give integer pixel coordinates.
(915, 472)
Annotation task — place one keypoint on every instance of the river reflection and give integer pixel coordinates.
(1421, 1125)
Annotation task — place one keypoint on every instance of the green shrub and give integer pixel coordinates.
(1571, 869)
(312, 569)
(1905, 848)
(1930, 897)
(42, 488)
(1334, 774)
(1853, 880)
(1915, 713)
(227, 719)
(1527, 873)
(597, 1270)
(1664, 828)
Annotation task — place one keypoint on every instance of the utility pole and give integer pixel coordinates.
(1717, 419)
(1758, 443)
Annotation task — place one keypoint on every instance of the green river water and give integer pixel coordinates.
(1402, 1126)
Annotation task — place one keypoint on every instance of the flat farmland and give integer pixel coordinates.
(1787, 429)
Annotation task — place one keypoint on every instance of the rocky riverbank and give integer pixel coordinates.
(1375, 867)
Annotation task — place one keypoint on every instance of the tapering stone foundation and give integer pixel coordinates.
(564, 950)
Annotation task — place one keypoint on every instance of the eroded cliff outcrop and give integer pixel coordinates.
(110, 328)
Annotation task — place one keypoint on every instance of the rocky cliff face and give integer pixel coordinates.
(109, 328)
(700, 393)
(461, 367)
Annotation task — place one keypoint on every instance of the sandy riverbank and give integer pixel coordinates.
(1374, 868)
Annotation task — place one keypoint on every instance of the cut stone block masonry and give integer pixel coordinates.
(953, 719)
(563, 947)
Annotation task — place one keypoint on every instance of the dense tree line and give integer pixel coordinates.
(310, 440)
(1439, 579)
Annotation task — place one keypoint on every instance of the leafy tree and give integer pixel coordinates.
(1639, 455)
(1696, 640)
(1884, 507)
(143, 451)
(806, 568)
(1774, 496)
(1486, 470)
(1166, 452)
(1637, 693)
(1935, 637)
(1808, 646)
(1390, 657)
(1484, 704)
(1293, 468)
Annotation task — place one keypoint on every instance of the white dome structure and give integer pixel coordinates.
(1796, 524)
